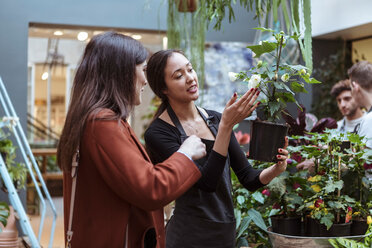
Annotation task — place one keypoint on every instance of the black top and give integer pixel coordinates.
(205, 213)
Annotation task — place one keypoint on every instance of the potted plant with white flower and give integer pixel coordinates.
(279, 83)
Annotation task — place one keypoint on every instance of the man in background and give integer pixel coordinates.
(360, 75)
(349, 108)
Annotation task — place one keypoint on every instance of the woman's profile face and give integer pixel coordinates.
(181, 79)
(140, 81)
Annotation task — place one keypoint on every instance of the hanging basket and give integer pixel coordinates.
(187, 5)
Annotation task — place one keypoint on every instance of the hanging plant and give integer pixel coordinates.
(186, 31)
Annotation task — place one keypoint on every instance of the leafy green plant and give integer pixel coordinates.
(186, 31)
(4, 213)
(17, 171)
(290, 10)
(330, 202)
(279, 82)
(251, 215)
(349, 243)
(287, 192)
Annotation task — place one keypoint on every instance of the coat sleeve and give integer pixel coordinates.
(124, 168)
(161, 143)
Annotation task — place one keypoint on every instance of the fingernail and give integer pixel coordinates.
(251, 90)
(258, 103)
(280, 150)
(258, 92)
(234, 94)
(277, 156)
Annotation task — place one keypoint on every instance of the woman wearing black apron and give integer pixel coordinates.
(204, 215)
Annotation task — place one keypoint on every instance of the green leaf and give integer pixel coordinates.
(285, 14)
(308, 54)
(240, 199)
(257, 219)
(244, 225)
(285, 96)
(326, 220)
(263, 29)
(334, 243)
(336, 204)
(238, 217)
(298, 87)
(258, 197)
(266, 47)
(273, 107)
(347, 243)
(314, 81)
(295, 7)
(275, 10)
(331, 187)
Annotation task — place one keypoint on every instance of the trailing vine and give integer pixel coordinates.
(186, 30)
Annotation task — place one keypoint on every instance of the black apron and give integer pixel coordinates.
(203, 219)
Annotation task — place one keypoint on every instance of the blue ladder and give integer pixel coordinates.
(30, 162)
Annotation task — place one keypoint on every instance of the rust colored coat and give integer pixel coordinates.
(119, 188)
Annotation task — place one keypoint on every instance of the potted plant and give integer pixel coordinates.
(286, 193)
(331, 210)
(357, 184)
(279, 83)
(18, 173)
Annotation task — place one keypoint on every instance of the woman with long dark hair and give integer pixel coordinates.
(204, 215)
(118, 195)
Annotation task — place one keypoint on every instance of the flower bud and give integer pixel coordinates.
(285, 77)
(232, 76)
(302, 71)
(259, 63)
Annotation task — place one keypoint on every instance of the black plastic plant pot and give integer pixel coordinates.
(286, 225)
(336, 230)
(312, 227)
(359, 227)
(266, 139)
(345, 145)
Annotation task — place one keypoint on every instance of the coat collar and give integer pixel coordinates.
(136, 140)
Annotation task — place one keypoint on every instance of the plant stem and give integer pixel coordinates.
(277, 65)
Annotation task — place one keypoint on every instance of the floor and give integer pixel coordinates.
(58, 240)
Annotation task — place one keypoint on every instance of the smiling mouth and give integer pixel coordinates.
(192, 88)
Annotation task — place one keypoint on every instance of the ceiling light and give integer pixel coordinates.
(82, 36)
(44, 76)
(58, 33)
(136, 36)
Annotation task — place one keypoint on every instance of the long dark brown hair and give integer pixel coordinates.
(104, 79)
(156, 76)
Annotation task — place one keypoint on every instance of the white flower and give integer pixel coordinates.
(232, 76)
(285, 77)
(254, 81)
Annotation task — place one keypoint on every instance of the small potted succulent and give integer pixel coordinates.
(279, 83)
